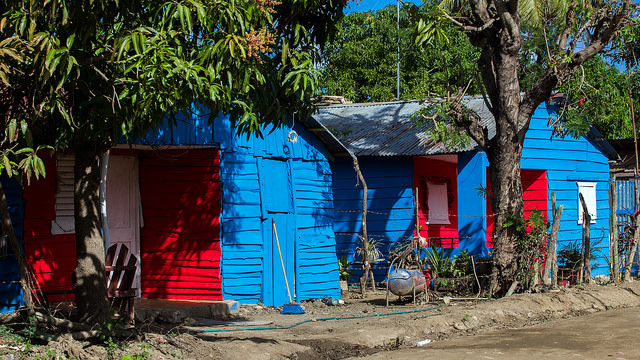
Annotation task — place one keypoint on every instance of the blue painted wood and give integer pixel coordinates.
(11, 297)
(390, 215)
(567, 162)
(272, 178)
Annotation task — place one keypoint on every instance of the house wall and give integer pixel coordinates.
(268, 181)
(10, 291)
(566, 162)
(52, 257)
(264, 181)
(390, 214)
(434, 169)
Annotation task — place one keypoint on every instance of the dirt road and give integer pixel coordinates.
(363, 327)
(605, 335)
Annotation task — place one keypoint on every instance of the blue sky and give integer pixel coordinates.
(369, 5)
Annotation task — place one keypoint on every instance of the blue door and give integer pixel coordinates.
(277, 208)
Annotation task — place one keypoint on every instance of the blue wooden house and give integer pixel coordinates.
(400, 160)
(200, 206)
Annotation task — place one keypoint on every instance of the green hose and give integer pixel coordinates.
(318, 319)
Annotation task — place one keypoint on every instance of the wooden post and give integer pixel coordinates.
(551, 265)
(614, 271)
(366, 265)
(585, 261)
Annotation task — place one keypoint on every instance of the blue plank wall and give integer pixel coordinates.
(10, 291)
(567, 162)
(265, 179)
(273, 179)
(390, 215)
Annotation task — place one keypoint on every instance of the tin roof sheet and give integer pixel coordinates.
(389, 129)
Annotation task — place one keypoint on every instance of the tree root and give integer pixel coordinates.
(69, 329)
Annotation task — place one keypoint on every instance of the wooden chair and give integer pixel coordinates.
(119, 278)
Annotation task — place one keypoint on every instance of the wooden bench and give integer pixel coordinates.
(119, 279)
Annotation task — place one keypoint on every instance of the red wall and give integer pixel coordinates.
(52, 257)
(534, 186)
(438, 170)
(180, 239)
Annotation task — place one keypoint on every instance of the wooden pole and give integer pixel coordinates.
(551, 265)
(585, 261)
(613, 232)
(366, 265)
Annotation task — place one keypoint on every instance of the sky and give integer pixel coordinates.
(369, 5)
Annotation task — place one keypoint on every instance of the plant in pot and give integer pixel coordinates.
(569, 262)
(368, 253)
(345, 272)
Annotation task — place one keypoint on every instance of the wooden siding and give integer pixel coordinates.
(534, 195)
(390, 216)
(566, 162)
(10, 291)
(52, 257)
(301, 204)
(180, 239)
(429, 170)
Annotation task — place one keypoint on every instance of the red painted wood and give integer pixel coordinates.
(534, 195)
(180, 240)
(51, 257)
(440, 234)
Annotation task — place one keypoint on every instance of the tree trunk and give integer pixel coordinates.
(89, 284)
(507, 205)
(15, 245)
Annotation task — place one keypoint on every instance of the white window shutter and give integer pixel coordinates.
(64, 222)
(438, 203)
(588, 191)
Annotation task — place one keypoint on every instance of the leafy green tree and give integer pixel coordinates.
(599, 96)
(94, 70)
(495, 27)
(361, 62)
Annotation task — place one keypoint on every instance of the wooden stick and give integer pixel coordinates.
(281, 261)
(613, 232)
(585, 260)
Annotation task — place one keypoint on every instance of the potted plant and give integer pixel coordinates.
(569, 262)
(372, 251)
(345, 272)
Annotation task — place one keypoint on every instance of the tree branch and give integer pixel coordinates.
(564, 36)
(467, 28)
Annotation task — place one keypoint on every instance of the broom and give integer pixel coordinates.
(291, 307)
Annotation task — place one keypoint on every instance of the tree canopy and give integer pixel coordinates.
(360, 63)
(81, 74)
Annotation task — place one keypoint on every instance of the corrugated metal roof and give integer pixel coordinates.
(388, 129)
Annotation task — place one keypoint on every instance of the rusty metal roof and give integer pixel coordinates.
(389, 129)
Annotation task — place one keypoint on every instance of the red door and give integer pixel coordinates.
(180, 236)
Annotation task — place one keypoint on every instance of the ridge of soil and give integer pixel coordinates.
(365, 332)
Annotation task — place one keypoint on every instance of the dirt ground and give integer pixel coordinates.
(362, 326)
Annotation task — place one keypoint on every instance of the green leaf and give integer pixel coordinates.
(13, 124)
(7, 164)
(70, 40)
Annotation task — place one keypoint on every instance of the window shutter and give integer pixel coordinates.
(64, 222)
(438, 203)
(588, 191)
